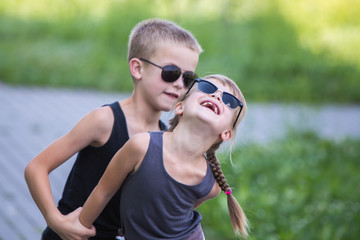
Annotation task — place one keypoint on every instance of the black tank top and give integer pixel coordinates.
(156, 206)
(87, 170)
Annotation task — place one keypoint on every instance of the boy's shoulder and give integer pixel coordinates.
(101, 114)
(99, 121)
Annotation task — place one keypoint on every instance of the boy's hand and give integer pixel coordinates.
(70, 228)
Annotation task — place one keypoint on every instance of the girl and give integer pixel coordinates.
(165, 175)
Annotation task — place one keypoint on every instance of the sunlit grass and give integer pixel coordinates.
(331, 26)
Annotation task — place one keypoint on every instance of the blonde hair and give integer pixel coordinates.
(237, 216)
(148, 35)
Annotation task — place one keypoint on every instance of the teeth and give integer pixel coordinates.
(212, 107)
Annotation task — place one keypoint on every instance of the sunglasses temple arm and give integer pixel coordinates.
(191, 86)
(237, 118)
(145, 60)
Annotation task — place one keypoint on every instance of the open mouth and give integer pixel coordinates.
(213, 107)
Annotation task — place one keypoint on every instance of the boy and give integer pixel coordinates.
(162, 59)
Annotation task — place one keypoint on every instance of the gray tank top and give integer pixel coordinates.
(156, 206)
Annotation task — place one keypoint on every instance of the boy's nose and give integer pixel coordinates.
(179, 82)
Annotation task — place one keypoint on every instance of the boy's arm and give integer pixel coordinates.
(125, 161)
(87, 131)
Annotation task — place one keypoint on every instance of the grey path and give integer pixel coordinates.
(31, 118)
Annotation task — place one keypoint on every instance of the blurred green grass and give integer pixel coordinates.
(273, 51)
(301, 187)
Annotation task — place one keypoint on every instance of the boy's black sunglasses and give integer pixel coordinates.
(228, 99)
(171, 73)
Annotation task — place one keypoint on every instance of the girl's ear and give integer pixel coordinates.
(179, 108)
(135, 68)
(226, 135)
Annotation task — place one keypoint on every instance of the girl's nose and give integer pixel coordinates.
(218, 93)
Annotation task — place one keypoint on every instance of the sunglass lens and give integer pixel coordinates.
(206, 87)
(170, 73)
(189, 78)
(230, 100)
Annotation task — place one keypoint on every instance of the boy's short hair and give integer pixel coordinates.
(148, 35)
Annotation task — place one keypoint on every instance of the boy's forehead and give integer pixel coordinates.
(168, 45)
(180, 55)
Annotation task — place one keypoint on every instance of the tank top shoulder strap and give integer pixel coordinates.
(119, 117)
(118, 113)
(119, 132)
(155, 149)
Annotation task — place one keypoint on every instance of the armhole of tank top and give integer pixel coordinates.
(212, 179)
(115, 110)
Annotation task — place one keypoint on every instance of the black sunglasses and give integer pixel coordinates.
(171, 73)
(228, 99)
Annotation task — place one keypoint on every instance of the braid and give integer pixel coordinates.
(215, 168)
(237, 216)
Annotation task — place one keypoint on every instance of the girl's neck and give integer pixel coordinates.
(191, 140)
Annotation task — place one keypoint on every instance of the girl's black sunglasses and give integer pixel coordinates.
(228, 99)
(171, 73)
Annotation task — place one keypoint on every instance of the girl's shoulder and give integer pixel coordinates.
(139, 143)
(138, 146)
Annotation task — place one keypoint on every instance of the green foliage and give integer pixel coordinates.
(298, 188)
(273, 52)
(71, 50)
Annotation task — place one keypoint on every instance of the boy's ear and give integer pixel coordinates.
(226, 135)
(135, 68)
(179, 108)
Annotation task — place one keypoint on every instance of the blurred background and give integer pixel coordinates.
(288, 55)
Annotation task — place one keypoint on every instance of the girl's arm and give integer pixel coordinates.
(125, 161)
(89, 130)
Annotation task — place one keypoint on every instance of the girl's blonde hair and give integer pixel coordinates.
(237, 216)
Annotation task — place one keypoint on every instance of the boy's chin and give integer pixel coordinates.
(167, 109)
